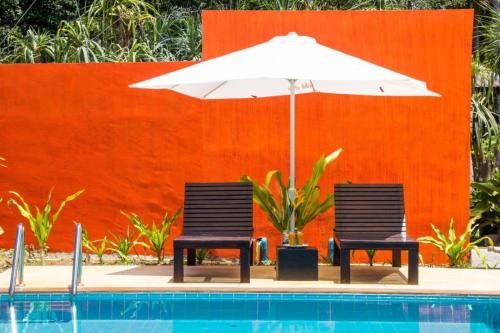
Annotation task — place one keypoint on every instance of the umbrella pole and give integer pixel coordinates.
(291, 190)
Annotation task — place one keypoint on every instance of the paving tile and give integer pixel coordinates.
(378, 280)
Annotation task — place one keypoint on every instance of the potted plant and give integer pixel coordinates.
(306, 204)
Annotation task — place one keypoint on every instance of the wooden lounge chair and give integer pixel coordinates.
(217, 216)
(372, 216)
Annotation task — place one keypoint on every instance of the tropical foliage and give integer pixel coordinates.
(485, 134)
(277, 208)
(97, 247)
(486, 206)
(457, 249)
(370, 253)
(306, 203)
(201, 255)
(107, 31)
(155, 237)
(122, 244)
(41, 221)
(371, 256)
(138, 30)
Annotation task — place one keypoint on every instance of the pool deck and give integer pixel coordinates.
(379, 279)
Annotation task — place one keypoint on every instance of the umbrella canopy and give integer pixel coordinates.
(286, 65)
(265, 70)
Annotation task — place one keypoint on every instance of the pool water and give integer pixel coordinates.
(247, 312)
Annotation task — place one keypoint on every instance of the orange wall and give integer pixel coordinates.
(80, 126)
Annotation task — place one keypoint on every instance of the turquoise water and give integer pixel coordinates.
(242, 313)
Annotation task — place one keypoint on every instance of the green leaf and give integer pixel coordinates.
(306, 205)
(65, 201)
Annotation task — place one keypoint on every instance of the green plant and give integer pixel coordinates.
(97, 247)
(277, 209)
(370, 254)
(456, 249)
(307, 204)
(155, 236)
(41, 223)
(485, 68)
(489, 21)
(123, 244)
(33, 47)
(486, 206)
(73, 43)
(201, 255)
(143, 30)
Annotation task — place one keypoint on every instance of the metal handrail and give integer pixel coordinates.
(17, 274)
(76, 278)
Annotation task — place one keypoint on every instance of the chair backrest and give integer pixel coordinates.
(221, 209)
(369, 208)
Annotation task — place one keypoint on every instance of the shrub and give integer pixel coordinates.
(97, 247)
(156, 237)
(201, 255)
(123, 244)
(486, 206)
(456, 249)
(41, 223)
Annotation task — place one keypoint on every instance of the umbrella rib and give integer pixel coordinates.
(214, 89)
(312, 86)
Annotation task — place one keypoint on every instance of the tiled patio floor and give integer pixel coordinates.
(381, 279)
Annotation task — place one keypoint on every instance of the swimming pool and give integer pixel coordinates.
(247, 312)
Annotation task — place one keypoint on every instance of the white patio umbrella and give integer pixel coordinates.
(286, 65)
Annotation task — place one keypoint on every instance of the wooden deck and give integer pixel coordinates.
(380, 279)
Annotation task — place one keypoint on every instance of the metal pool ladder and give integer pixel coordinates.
(17, 274)
(76, 278)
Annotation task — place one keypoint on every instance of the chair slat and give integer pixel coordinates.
(218, 208)
(197, 218)
(369, 208)
(198, 197)
(372, 230)
(218, 185)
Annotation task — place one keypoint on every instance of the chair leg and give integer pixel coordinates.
(345, 266)
(191, 258)
(245, 264)
(178, 264)
(336, 254)
(252, 252)
(413, 266)
(396, 258)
